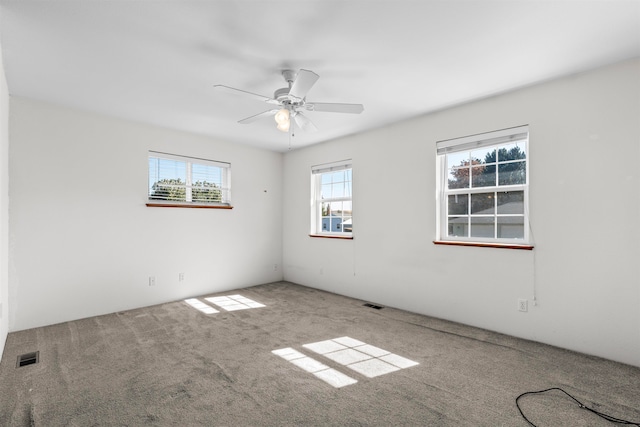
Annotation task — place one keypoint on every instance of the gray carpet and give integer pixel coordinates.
(172, 365)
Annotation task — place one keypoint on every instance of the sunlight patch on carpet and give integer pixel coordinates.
(361, 357)
(199, 305)
(234, 302)
(320, 370)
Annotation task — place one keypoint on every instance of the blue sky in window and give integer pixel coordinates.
(206, 173)
(160, 169)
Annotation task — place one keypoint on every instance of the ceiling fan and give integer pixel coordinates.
(291, 102)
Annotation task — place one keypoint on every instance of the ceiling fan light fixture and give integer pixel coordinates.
(284, 127)
(282, 117)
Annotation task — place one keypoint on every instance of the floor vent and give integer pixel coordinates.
(28, 359)
(377, 307)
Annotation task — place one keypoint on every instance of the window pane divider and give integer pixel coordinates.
(488, 189)
(336, 199)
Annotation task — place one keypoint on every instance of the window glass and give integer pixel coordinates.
(458, 226)
(459, 177)
(483, 176)
(484, 156)
(482, 226)
(458, 159)
(482, 204)
(510, 227)
(513, 173)
(511, 202)
(458, 204)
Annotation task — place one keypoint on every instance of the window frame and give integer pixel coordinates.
(494, 139)
(190, 162)
(316, 202)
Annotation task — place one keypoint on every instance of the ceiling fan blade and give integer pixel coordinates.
(258, 116)
(335, 108)
(304, 123)
(303, 83)
(227, 89)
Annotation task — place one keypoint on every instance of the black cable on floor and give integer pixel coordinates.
(580, 404)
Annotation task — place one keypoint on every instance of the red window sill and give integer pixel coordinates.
(484, 245)
(186, 205)
(329, 236)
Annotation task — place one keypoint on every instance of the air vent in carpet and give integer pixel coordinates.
(377, 307)
(28, 359)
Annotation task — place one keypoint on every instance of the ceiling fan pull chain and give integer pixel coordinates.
(291, 134)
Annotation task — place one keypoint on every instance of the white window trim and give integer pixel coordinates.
(226, 181)
(316, 203)
(504, 136)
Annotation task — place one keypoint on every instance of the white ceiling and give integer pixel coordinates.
(157, 61)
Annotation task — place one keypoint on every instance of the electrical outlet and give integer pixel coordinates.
(180, 277)
(522, 305)
(152, 280)
(275, 267)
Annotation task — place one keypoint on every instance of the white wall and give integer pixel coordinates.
(585, 218)
(83, 243)
(4, 207)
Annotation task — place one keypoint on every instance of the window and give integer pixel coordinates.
(483, 193)
(187, 181)
(331, 212)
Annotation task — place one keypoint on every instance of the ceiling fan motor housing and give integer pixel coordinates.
(281, 94)
(283, 97)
